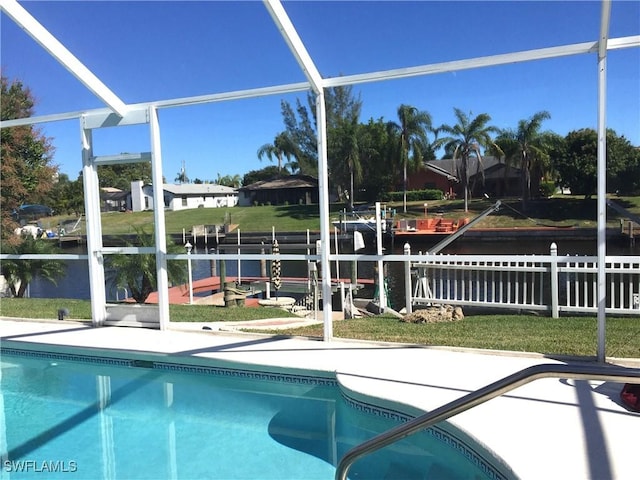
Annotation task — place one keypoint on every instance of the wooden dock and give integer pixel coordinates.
(212, 285)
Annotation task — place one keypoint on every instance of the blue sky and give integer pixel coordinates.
(146, 51)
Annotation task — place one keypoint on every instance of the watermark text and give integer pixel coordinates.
(39, 466)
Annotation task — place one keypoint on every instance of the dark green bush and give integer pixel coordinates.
(413, 195)
(547, 189)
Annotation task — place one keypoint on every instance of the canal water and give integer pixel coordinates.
(75, 283)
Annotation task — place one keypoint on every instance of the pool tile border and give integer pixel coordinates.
(245, 374)
(435, 431)
(73, 357)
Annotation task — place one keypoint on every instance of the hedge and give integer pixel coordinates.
(413, 195)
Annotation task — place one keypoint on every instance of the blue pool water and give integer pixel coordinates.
(109, 418)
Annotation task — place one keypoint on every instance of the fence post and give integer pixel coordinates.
(554, 281)
(407, 279)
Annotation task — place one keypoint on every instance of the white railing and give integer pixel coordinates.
(533, 282)
(547, 283)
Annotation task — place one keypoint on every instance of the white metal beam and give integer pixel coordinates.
(106, 118)
(296, 46)
(58, 51)
(575, 49)
(623, 42)
(602, 177)
(123, 158)
(227, 96)
(471, 63)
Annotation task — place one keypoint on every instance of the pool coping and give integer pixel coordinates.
(579, 429)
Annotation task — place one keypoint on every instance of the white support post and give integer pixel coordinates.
(239, 276)
(407, 280)
(158, 218)
(554, 281)
(325, 237)
(94, 230)
(602, 177)
(335, 241)
(382, 294)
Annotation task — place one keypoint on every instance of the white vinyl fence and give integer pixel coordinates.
(532, 282)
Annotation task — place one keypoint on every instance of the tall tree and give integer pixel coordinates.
(254, 176)
(412, 136)
(121, 175)
(530, 147)
(346, 166)
(464, 141)
(300, 128)
(301, 124)
(576, 163)
(66, 196)
(26, 170)
(282, 147)
(377, 152)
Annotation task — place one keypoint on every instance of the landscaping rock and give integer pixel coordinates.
(442, 313)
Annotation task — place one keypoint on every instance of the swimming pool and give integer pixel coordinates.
(71, 414)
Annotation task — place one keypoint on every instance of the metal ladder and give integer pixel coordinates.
(504, 385)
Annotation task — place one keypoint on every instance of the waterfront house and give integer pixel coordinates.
(499, 179)
(292, 190)
(183, 196)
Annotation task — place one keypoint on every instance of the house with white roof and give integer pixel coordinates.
(183, 196)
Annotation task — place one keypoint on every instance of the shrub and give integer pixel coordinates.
(413, 195)
(547, 189)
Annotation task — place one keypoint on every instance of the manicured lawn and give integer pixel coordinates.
(81, 309)
(564, 210)
(520, 333)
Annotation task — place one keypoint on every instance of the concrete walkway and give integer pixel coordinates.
(551, 429)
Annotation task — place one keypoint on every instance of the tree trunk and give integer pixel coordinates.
(525, 181)
(22, 289)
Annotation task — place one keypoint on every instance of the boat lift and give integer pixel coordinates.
(422, 288)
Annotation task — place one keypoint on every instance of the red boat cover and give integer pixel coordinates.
(631, 396)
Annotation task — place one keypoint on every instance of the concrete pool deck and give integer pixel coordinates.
(548, 429)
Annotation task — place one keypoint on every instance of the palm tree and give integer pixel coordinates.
(182, 175)
(138, 272)
(282, 147)
(412, 131)
(19, 273)
(234, 181)
(530, 145)
(464, 140)
(505, 150)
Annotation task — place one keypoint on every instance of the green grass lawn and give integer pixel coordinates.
(564, 210)
(520, 333)
(81, 310)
